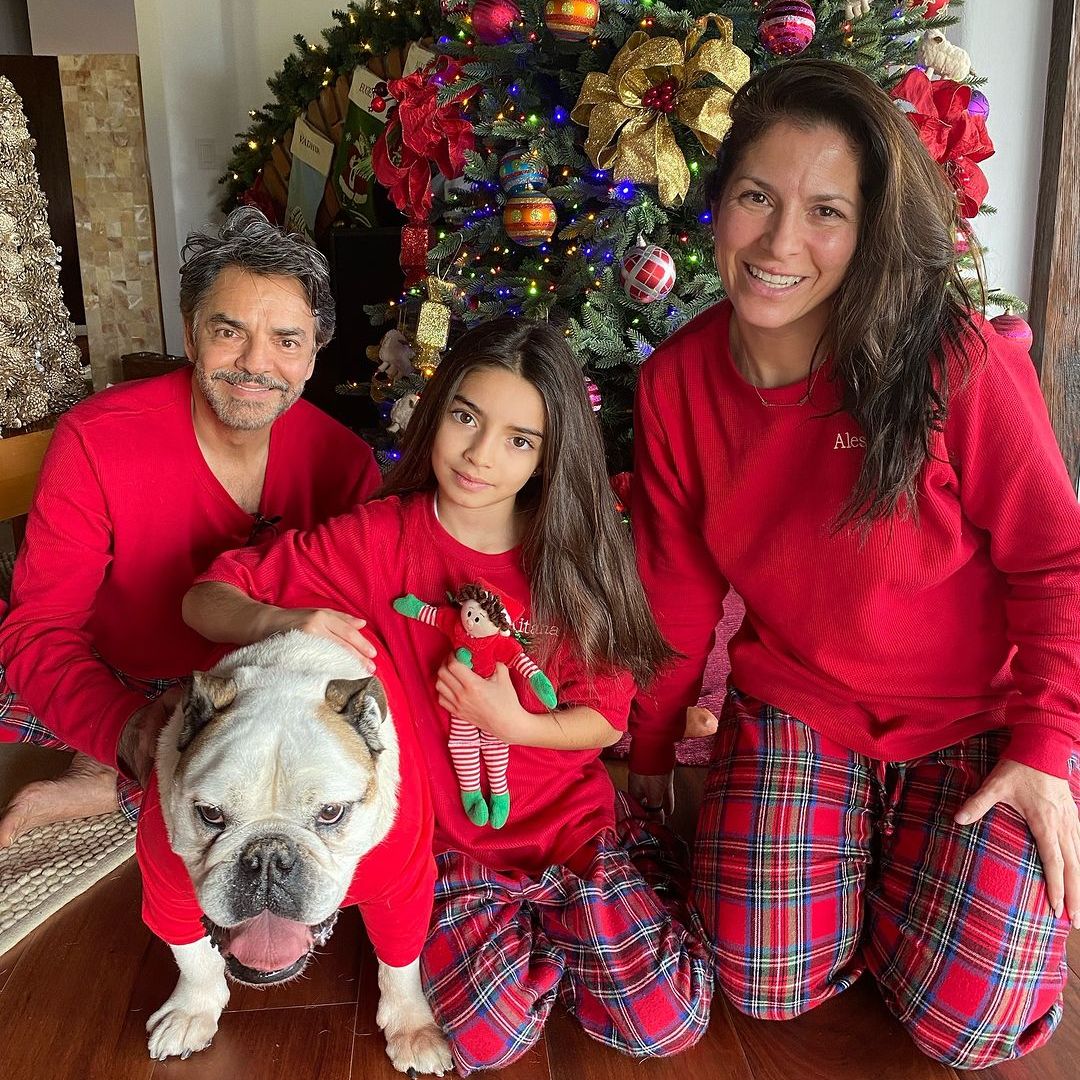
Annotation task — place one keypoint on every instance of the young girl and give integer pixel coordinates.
(502, 479)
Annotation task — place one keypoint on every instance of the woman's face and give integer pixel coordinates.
(786, 226)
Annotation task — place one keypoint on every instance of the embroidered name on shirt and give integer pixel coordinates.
(846, 441)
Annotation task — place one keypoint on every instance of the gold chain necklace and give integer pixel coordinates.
(811, 379)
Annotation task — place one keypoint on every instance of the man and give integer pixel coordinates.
(142, 486)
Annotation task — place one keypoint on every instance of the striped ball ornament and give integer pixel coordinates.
(787, 27)
(530, 218)
(648, 274)
(571, 20)
(522, 170)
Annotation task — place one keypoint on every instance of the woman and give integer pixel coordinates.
(850, 447)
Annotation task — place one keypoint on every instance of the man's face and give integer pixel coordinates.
(253, 347)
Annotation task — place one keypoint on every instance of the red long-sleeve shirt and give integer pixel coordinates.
(894, 645)
(126, 514)
(361, 562)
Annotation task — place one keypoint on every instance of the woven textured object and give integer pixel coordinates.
(50, 865)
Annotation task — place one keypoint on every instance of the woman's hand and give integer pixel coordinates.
(490, 704)
(655, 793)
(1045, 802)
(336, 626)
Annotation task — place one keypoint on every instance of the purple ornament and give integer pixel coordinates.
(787, 27)
(979, 105)
(1013, 328)
(493, 20)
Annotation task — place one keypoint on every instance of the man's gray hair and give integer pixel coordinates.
(247, 240)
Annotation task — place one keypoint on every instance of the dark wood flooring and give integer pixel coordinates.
(75, 995)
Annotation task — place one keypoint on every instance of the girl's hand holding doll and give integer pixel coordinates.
(490, 704)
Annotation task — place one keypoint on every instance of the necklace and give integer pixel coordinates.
(811, 378)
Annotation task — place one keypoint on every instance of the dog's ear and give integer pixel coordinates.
(363, 704)
(206, 695)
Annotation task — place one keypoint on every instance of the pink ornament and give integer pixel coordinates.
(787, 26)
(979, 104)
(1013, 328)
(648, 274)
(493, 20)
(593, 393)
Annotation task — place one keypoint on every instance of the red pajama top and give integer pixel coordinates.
(126, 514)
(895, 644)
(394, 883)
(361, 562)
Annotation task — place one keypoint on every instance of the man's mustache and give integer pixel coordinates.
(236, 378)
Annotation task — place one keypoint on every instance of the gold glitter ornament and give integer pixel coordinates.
(433, 327)
(628, 110)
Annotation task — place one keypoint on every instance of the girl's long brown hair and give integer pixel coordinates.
(576, 551)
(902, 307)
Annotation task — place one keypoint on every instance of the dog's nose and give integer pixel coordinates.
(269, 859)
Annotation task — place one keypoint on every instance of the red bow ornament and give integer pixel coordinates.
(418, 132)
(955, 138)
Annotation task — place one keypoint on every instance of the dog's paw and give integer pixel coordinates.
(178, 1032)
(424, 1050)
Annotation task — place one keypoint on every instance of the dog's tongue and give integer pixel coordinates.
(269, 942)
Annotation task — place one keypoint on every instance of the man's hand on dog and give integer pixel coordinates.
(138, 741)
(336, 626)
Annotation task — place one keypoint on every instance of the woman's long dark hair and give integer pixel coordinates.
(576, 551)
(902, 311)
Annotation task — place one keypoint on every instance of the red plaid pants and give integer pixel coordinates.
(814, 864)
(614, 943)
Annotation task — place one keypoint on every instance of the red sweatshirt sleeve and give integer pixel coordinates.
(1014, 485)
(44, 644)
(303, 568)
(683, 588)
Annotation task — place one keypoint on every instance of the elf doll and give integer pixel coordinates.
(480, 629)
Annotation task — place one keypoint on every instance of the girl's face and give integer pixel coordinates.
(786, 227)
(490, 441)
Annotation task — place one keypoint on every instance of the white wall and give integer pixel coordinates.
(204, 65)
(63, 27)
(1009, 43)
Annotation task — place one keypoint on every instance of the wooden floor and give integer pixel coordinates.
(75, 995)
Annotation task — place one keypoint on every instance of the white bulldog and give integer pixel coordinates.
(278, 774)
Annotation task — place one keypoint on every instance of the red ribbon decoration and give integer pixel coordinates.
(418, 132)
(955, 138)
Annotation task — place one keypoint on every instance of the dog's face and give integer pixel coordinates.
(274, 784)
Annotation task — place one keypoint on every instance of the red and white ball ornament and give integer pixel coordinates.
(493, 20)
(1013, 328)
(933, 7)
(529, 218)
(571, 20)
(648, 274)
(787, 26)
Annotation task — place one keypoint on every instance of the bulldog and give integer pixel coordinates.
(284, 790)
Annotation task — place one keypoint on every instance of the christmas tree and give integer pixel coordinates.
(573, 142)
(41, 369)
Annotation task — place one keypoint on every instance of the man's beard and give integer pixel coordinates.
(245, 415)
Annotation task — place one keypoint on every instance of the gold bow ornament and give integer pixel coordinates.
(628, 110)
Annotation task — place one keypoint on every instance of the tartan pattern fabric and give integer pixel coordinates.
(614, 943)
(19, 724)
(814, 864)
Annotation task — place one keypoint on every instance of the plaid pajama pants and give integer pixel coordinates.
(19, 724)
(614, 943)
(814, 864)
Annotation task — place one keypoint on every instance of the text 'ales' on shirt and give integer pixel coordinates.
(361, 562)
